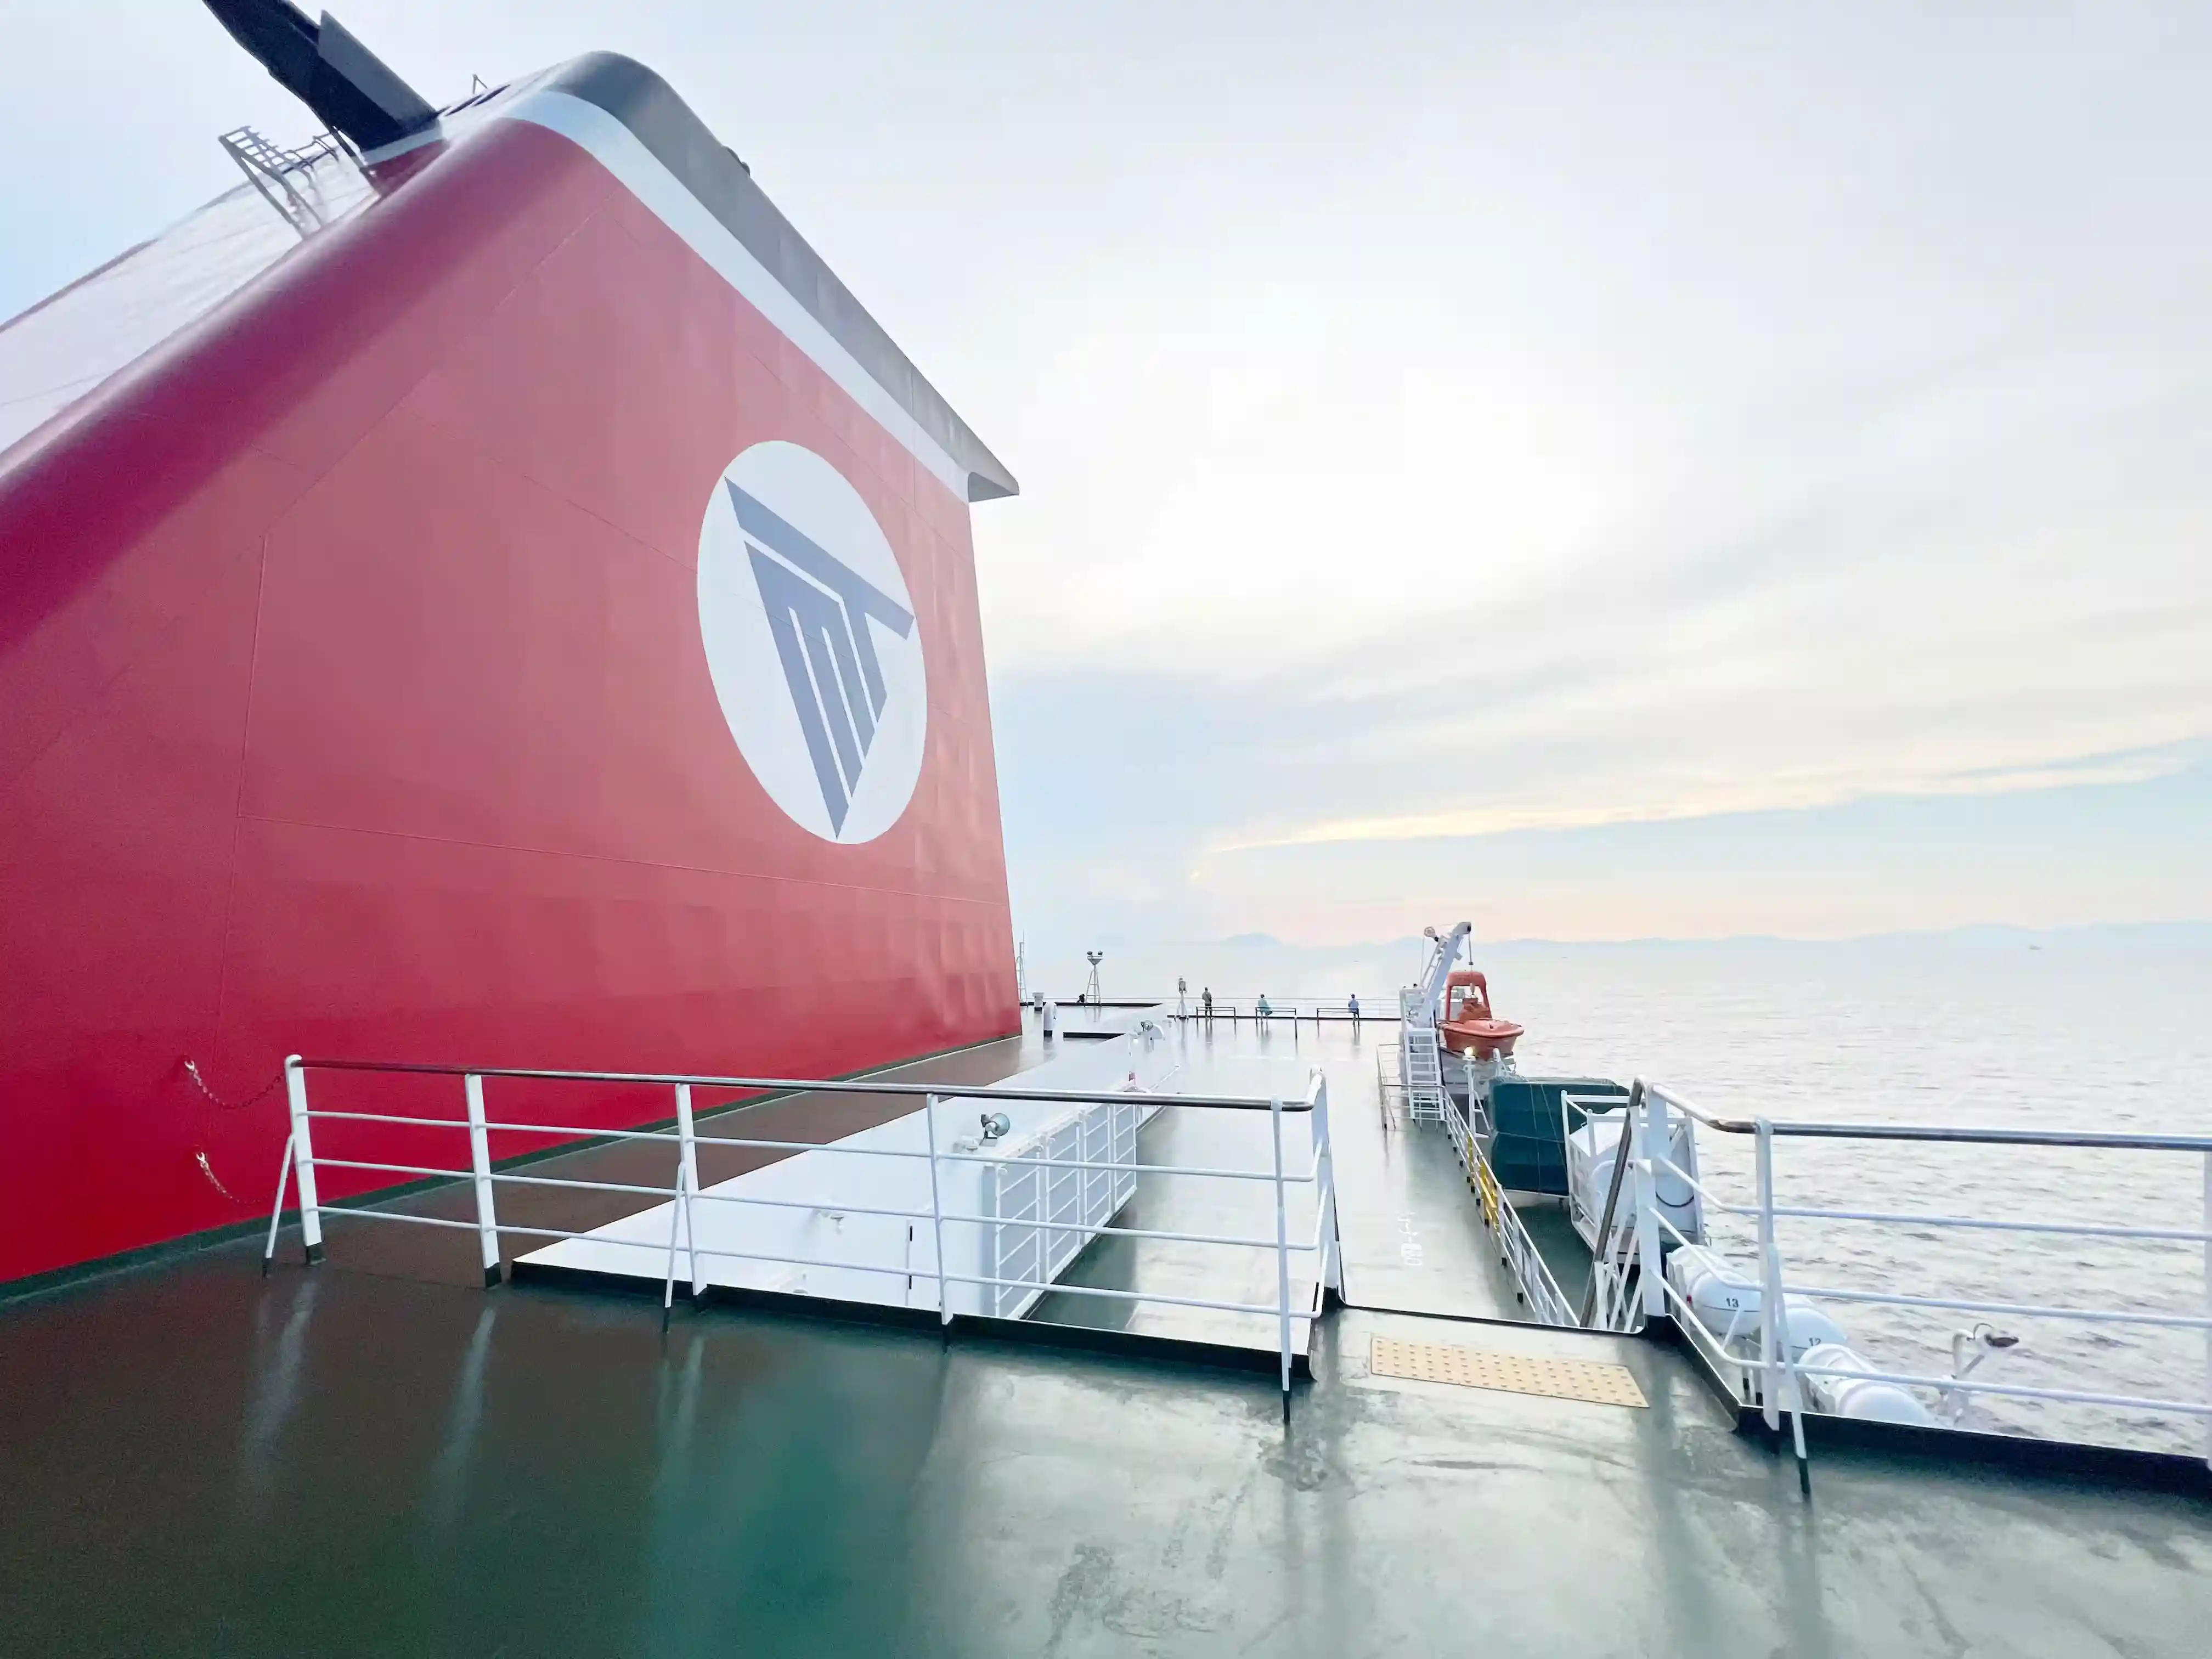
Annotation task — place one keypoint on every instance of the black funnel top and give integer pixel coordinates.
(345, 83)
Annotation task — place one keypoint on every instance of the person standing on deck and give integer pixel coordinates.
(1352, 1003)
(1206, 1003)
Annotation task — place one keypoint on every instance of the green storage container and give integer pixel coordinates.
(1528, 1149)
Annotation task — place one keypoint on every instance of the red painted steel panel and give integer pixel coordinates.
(353, 701)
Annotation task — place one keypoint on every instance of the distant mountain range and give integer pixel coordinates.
(1245, 965)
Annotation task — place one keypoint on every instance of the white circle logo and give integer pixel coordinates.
(813, 642)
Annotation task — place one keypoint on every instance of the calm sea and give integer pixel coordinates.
(2092, 1030)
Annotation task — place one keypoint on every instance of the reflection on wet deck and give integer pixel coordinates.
(1218, 1208)
(1413, 1237)
(355, 1460)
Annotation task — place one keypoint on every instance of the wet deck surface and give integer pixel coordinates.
(374, 1457)
(1414, 1238)
(1216, 1208)
(345, 1462)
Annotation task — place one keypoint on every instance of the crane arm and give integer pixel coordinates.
(1439, 971)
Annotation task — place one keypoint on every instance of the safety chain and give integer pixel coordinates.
(200, 1158)
(192, 1071)
(199, 1153)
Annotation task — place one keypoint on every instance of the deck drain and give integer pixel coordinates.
(1512, 1373)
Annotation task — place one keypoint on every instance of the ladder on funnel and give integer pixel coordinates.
(271, 171)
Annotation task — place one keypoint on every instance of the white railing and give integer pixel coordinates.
(1389, 1081)
(485, 1178)
(1621, 1239)
(1291, 1010)
(1539, 1291)
(1781, 1375)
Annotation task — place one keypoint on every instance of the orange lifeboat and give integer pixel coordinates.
(1468, 1026)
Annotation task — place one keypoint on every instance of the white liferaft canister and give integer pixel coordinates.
(1861, 1397)
(1726, 1299)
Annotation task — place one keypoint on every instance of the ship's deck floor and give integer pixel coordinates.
(1413, 1240)
(376, 1457)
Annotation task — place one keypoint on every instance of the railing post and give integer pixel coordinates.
(1049, 1235)
(676, 1212)
(2207, 1306)
(277, 1210)
(1780, 1366)
(1043, 1176)
(688, 1149)
(480, 1163)
(1282, 1254)
(937, 1211)
(1609, 1265)
(1332, 1255)
(1650, 1147)
(303, 1159)
(1769, 1280)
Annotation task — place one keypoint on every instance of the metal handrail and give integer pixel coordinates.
(586, 1133)
(1775, 1354)
(324, 1161)
(790, 1084)
(1806, 1129)
(300, 1162)
(1319, 1011)
(1531, 1272)
(2067, 1230)
(1961, 1384)
(1929, 1219)
(1600, 1257)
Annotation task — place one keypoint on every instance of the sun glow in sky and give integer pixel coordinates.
(1607, 470)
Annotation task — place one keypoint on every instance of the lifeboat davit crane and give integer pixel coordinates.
(1456, 1001)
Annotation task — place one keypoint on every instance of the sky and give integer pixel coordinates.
(1599, 470)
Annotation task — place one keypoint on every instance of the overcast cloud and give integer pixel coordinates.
(1608, 471)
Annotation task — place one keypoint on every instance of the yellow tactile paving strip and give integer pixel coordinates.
(1512, 1373)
